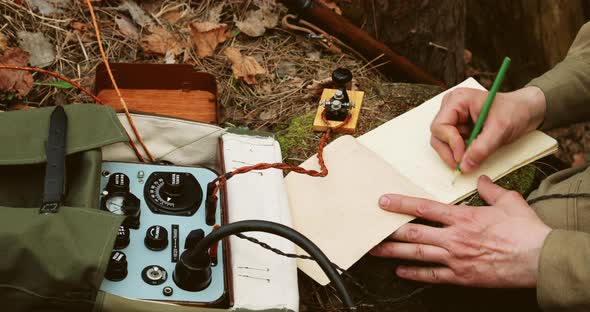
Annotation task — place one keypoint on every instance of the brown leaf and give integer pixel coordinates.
(244, 67)
(207, 35)
(467, 56)
(257, 21)
(79, 26)
(173, 16)
(160, 41)
(127, 27)
(331, 4)
(269, 114)
(15, 81)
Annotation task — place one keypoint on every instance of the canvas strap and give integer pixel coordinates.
(56, 161)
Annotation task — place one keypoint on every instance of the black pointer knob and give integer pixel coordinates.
(118, 183)
(156, 238)
(173, 185)
(117, 267)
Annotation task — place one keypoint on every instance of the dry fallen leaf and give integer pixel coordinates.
(467, 56)
(173, 16)
(331, 4)
(257, 21)
(160, 41)
(138, 15)
(269, 114)
(48, 7)
(207, 35)
(41, 50)
(127, 27)
(244, 67)
(15, 81)
(79, 26)
(214, 14)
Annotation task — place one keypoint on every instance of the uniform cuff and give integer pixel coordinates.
(565, 92)
(563, 279)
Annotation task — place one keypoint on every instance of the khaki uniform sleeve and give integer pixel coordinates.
(567, 85)
(563, 282)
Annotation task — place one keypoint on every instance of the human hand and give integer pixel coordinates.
(491, 246)
(511, 115)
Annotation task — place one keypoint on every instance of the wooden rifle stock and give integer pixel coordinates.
(397, 66)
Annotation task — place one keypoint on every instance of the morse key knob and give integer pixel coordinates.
(341, 77)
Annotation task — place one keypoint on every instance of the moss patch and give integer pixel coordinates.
(296, 140)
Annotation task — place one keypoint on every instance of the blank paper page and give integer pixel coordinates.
(340, 212)
(404, 142)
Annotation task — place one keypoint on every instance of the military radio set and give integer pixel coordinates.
(165, 216)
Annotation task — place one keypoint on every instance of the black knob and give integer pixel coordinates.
(122, 239)
(156, 238)
(193, 271)
(131, 209)
(117, 267)
(173, 185)
(194, 237)
(341, 77)
(118, 183)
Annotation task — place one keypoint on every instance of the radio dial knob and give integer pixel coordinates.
(173, 185)
(156, 238)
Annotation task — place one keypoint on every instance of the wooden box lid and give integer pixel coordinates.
(174, 90)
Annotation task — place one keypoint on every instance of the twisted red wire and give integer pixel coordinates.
(222, 179)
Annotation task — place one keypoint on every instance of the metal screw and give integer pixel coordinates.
(167, 291)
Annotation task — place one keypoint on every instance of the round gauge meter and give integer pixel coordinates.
(114, 204)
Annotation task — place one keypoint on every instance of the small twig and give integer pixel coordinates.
(438, 46)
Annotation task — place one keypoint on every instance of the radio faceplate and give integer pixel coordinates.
(154, 247)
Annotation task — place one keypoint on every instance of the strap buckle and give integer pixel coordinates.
(47, 208)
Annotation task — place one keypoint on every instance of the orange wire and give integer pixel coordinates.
(56, 75)
(77, 85)
(121, 99)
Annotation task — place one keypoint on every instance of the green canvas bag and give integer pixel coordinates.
(54, 261)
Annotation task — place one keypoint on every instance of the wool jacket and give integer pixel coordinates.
(563, 282)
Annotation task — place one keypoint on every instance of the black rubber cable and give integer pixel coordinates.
(285, 232)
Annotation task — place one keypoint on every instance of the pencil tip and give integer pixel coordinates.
(455, 175)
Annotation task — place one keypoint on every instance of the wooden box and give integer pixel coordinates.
(174, 90)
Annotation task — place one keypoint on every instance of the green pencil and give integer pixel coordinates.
(485, 110)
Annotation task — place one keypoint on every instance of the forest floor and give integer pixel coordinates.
(272, 83)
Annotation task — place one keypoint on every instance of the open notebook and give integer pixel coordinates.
(340, 212)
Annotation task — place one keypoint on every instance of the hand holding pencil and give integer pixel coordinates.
(511, 116)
